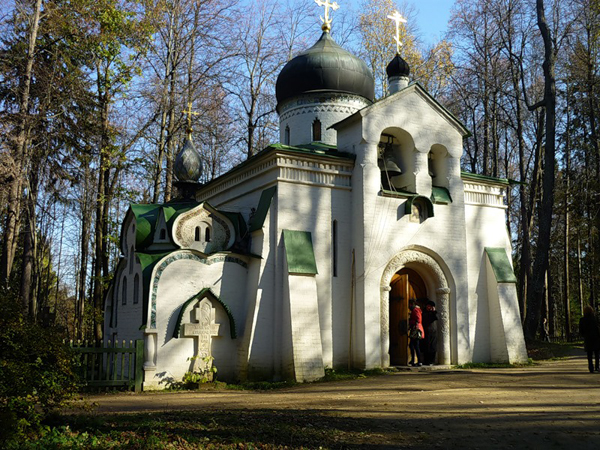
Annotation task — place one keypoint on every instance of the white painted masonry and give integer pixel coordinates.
(274, 324)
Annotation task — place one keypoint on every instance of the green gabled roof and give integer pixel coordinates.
(239, 224)
(258, 220)
(501, 266)
(299, 252)
(147, 215)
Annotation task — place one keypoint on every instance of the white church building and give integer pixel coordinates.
(305, 256)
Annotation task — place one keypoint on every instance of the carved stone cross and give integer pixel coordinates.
(327, 21)
(398, 19)
(203, 332)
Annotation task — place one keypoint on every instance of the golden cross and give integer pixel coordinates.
(327, 20)
(398, 19)
(189, 113)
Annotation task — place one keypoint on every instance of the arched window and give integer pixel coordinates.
(131, 260)
(197, 234)
(136, 289)
(163, 234)
(287, 135)
(438, 164)
(124, 291)
(207, 234)
(316, 130)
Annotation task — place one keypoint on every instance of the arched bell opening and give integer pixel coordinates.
(396, 160)
(438, 165)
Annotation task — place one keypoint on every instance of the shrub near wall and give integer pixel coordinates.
(36, 373)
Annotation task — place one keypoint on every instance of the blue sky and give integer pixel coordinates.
(432, 18)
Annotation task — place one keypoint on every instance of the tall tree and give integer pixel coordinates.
(19, 153)
(535, 293)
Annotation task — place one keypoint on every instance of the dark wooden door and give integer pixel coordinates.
(406, 285)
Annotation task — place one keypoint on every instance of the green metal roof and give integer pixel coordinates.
(239, 224)
(501, 265)
(485, 178)
(398, 193)
(146, 217)
(314, 148)
(299, 252)
(440, 195)
(258, 220)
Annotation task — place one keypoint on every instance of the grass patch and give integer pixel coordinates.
(211, 429)
(494, 365)
(540, 350)
(330, 375)
(350, 374)
(259, 385)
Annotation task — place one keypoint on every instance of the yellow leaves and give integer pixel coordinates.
(378, 39)
(431, 68)
(437, 67)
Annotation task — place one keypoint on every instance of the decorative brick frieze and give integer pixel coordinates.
(484, 195)
(294, 169)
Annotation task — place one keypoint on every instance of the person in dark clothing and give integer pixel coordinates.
(415, 333)
(589, 330)
(429, 344)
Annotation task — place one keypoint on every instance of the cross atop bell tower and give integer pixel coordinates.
(398, 19)
(326, 27)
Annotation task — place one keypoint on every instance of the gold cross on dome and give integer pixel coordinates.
(398, 19)
(327, 20)
(188, 112)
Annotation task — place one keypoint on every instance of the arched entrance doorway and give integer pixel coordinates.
(436, 283)
(406, 285)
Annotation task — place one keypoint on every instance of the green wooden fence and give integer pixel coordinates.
(108, 365)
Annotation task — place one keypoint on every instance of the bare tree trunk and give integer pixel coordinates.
(540, 265)
(101, 200)
(170, 153)
(567, 230)
(14, 197)
(84, 249)
(579, 274)
(27, 262)
(165, 105)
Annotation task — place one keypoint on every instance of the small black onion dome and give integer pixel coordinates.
(397, 67)
(325, 67)
(188, 163)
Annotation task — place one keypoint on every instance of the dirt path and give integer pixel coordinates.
(552, 405)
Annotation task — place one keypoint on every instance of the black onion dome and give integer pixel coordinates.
(325, 67)
(397, 67)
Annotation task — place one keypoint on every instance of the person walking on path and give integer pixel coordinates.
(589, 330)
(429, 344)
(415, 332)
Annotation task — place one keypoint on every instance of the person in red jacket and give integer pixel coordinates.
(415, 332)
